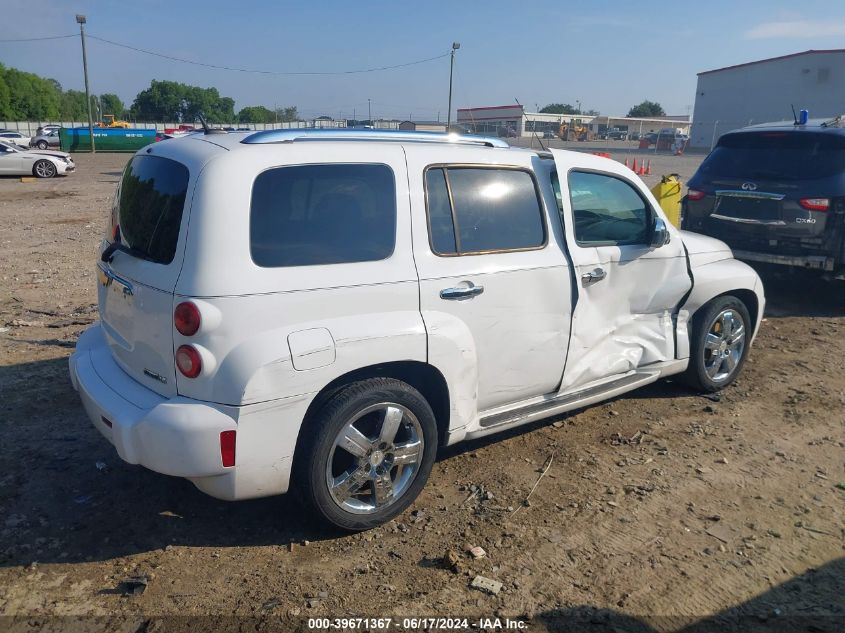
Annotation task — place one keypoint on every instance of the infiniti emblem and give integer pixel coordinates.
(749, 186)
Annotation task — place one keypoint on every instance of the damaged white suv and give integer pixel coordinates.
(323, 309)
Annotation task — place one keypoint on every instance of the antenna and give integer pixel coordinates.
(205, 128)
(534, 126)
(794, 116)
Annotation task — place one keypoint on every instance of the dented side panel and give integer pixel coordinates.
(625, 319)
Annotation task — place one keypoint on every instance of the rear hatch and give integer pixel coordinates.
(764, 189)
(135, 290)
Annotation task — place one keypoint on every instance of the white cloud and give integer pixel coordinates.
(796, 29)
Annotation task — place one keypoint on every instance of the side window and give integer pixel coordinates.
(322, 214)
(440, 224)
(494, 209)
(607, 210)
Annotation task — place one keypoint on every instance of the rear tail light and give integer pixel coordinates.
(227, 448)
(187, 318)
(695, 194)
(115, 233)
(188, 361)
(815, 204)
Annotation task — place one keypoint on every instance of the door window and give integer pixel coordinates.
(479, 210)
(607, 210)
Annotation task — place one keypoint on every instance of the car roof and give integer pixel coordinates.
(234, 141)
(835, 125)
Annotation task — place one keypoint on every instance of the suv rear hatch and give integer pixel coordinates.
(769, 190)
(135, 290)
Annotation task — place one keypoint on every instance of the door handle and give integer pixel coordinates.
(597, 274)
(461, 292)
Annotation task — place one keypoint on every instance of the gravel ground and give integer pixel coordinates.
(659, 511)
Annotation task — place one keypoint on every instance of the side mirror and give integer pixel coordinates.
(660, 235)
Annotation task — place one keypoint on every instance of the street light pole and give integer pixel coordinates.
(369, 113)
(80, 19)
(455, 46)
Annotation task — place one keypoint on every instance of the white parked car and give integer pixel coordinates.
(325, 308)
(15, 138)
(15, 161)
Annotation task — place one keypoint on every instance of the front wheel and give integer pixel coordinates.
(719, 344)
(44, 169)
(371, 452)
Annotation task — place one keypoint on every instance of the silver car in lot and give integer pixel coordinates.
(49, 138)
(15, 161)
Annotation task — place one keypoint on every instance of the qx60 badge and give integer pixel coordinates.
(749, 186)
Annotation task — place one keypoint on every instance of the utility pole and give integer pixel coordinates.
(80, 19)
(455, 46)
(369, 112)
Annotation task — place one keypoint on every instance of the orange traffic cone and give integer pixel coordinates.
(634, 168)
(641, 171)
(626, 163)
(648, 169)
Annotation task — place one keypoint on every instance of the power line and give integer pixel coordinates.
(41, 39)
(267, 72)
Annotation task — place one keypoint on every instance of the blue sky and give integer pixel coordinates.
(607, 55)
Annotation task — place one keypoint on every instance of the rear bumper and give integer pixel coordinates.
(811, 262)
(180, 436)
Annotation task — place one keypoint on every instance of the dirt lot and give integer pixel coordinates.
(662, 510)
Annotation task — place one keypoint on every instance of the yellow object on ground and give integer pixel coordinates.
(668, 193)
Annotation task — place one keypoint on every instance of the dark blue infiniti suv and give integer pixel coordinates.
(775, 193)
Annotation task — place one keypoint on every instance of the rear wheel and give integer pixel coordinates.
(719, 344)
(44, 169)
(41, 144)
(370, 455)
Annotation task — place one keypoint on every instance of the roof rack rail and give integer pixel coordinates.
(351, 134)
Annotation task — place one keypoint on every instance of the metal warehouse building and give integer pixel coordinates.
(764, 90)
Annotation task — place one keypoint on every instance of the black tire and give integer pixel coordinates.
(41, 145)
(696, 375)
(318, 447)
(44, 169)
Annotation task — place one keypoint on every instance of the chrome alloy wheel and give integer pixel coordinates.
(45, 169)
(375, 457)
(724, 345)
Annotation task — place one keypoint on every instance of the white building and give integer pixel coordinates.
(513, 120)
(764, 90)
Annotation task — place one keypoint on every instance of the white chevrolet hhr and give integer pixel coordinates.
(323, 309)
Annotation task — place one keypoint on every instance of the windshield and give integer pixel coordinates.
(149, 206)
(776, 156)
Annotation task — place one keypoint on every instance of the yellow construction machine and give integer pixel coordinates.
(110, 121)
(572, 131)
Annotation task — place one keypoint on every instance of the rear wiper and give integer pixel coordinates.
(115, 246)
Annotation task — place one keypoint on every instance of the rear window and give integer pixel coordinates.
(776, 155)
(149, 206)
(322, 214)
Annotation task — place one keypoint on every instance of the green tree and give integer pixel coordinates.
(174, 101)
(111, 104)
(256, 114)
(559, 108)
(287, 114)
(72, 106)
(647, 109)
(5, 96)
(31, 97)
